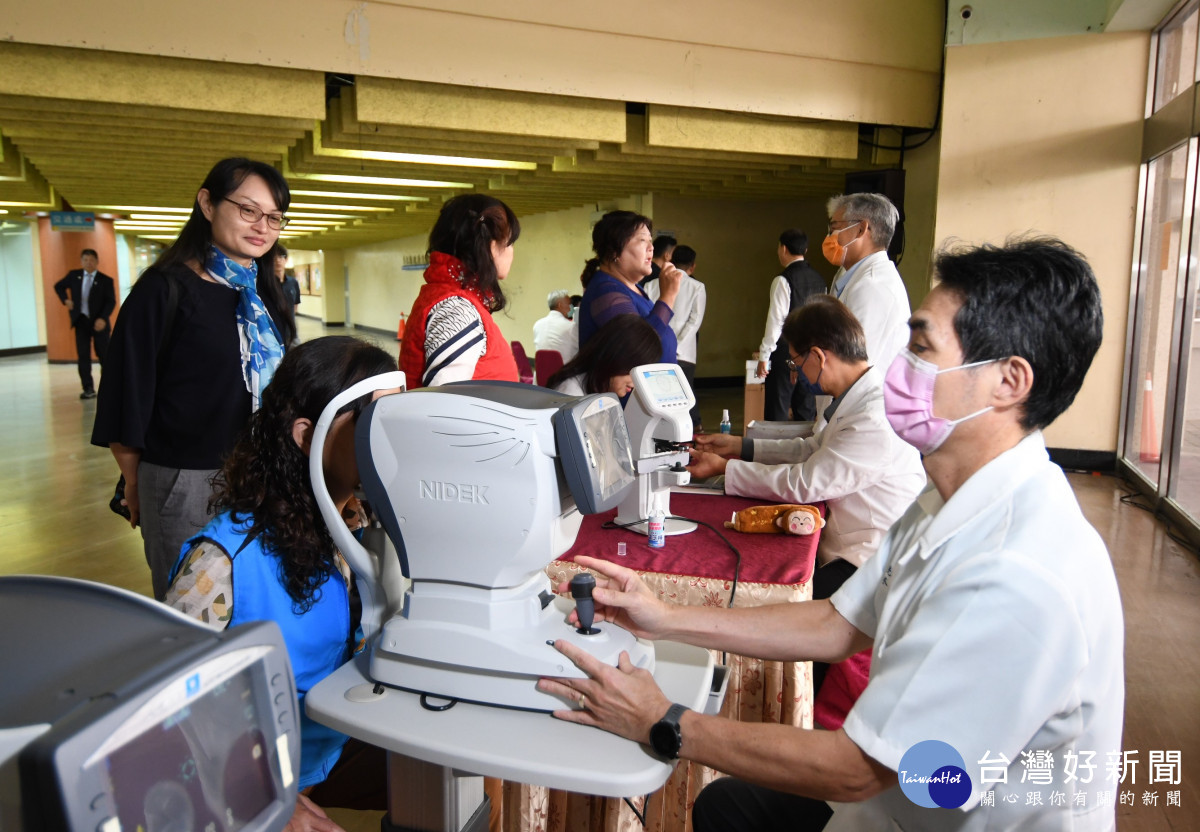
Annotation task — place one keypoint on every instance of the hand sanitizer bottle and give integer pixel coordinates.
(725, 426)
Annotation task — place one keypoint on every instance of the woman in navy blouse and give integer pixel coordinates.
(623, 244)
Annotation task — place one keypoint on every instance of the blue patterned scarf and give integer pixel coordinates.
(261, 344)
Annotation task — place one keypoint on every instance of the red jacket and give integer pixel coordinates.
(443, 279)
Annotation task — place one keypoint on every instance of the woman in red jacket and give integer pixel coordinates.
(450, 334)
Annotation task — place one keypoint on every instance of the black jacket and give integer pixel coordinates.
(101, 301)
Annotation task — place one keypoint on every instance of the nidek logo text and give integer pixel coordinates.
(454, 492)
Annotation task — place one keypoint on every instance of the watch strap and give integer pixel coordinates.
(670, 722)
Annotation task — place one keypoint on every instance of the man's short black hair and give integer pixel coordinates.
(88, 251)
(795, 241)
(684, 256)
(662, 243)
(1033, 297)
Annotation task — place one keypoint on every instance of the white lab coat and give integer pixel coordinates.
(550, 332)
(877, 297)
(856, 463)
(997, 629)
(687, 314)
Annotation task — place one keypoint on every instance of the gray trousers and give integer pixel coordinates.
(174, 506)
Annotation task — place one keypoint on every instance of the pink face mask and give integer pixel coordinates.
(908, 401)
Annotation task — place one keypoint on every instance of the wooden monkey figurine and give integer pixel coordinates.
(787, 519)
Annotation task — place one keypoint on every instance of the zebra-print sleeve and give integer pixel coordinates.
(454, 341)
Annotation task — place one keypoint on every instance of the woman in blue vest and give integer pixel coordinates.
(268, 555)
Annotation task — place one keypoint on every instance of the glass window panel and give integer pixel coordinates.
(1158, 277)
(1185, 479)
(1176, 69)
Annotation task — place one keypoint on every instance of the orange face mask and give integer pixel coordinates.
(834, 251)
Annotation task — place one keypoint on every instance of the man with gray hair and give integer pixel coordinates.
(860, 230)
(549, 332)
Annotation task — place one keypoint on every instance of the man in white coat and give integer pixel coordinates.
(991, 607)
(860, 229)
(854, 461)
(689, 314)
(550, 332)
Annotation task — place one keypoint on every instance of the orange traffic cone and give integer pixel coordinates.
(1149, 451)
(400, 328)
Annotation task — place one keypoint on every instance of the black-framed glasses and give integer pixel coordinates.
(793, 366)
(252, 214)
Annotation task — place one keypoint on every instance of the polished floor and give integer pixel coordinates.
(54, 519)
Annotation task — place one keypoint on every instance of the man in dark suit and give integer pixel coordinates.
(90, 297)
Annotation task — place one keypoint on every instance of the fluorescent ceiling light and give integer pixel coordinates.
(149, 208)
(425, 159)
(358, 195)
(25, 204)
(159, 217)
(362, 209)
(380, 180)
(300, 214)
(156, 236)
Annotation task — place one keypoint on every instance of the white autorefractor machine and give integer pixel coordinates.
(659, 424)
(479, 485)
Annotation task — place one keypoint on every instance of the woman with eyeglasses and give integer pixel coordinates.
(194, 346)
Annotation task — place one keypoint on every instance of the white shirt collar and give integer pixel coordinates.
(980, 493)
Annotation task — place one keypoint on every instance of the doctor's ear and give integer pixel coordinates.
(302, 432)
(1016, 382)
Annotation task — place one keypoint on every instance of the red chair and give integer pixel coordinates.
(547, 363)
(524, 371)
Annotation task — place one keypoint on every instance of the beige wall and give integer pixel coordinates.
(736, 244)
(1045, 135)
(787, 57)
(921, 167)
(312, 306)
(380, 289)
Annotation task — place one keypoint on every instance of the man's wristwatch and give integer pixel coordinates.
(665, 736)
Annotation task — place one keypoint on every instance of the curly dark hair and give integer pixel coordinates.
(266, 475)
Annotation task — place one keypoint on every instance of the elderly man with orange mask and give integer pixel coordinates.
(860, 230)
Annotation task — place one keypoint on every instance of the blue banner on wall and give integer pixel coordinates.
(72, 221)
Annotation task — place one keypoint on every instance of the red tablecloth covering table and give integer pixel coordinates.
(697, 569)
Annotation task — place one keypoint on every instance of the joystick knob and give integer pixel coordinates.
(585, 608)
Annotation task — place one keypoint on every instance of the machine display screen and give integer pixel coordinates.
(664, 386)
(205, 767)
(607, 444)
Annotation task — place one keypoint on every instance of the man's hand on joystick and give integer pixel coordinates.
(585, 608)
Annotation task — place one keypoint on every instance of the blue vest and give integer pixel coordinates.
(318, 641)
